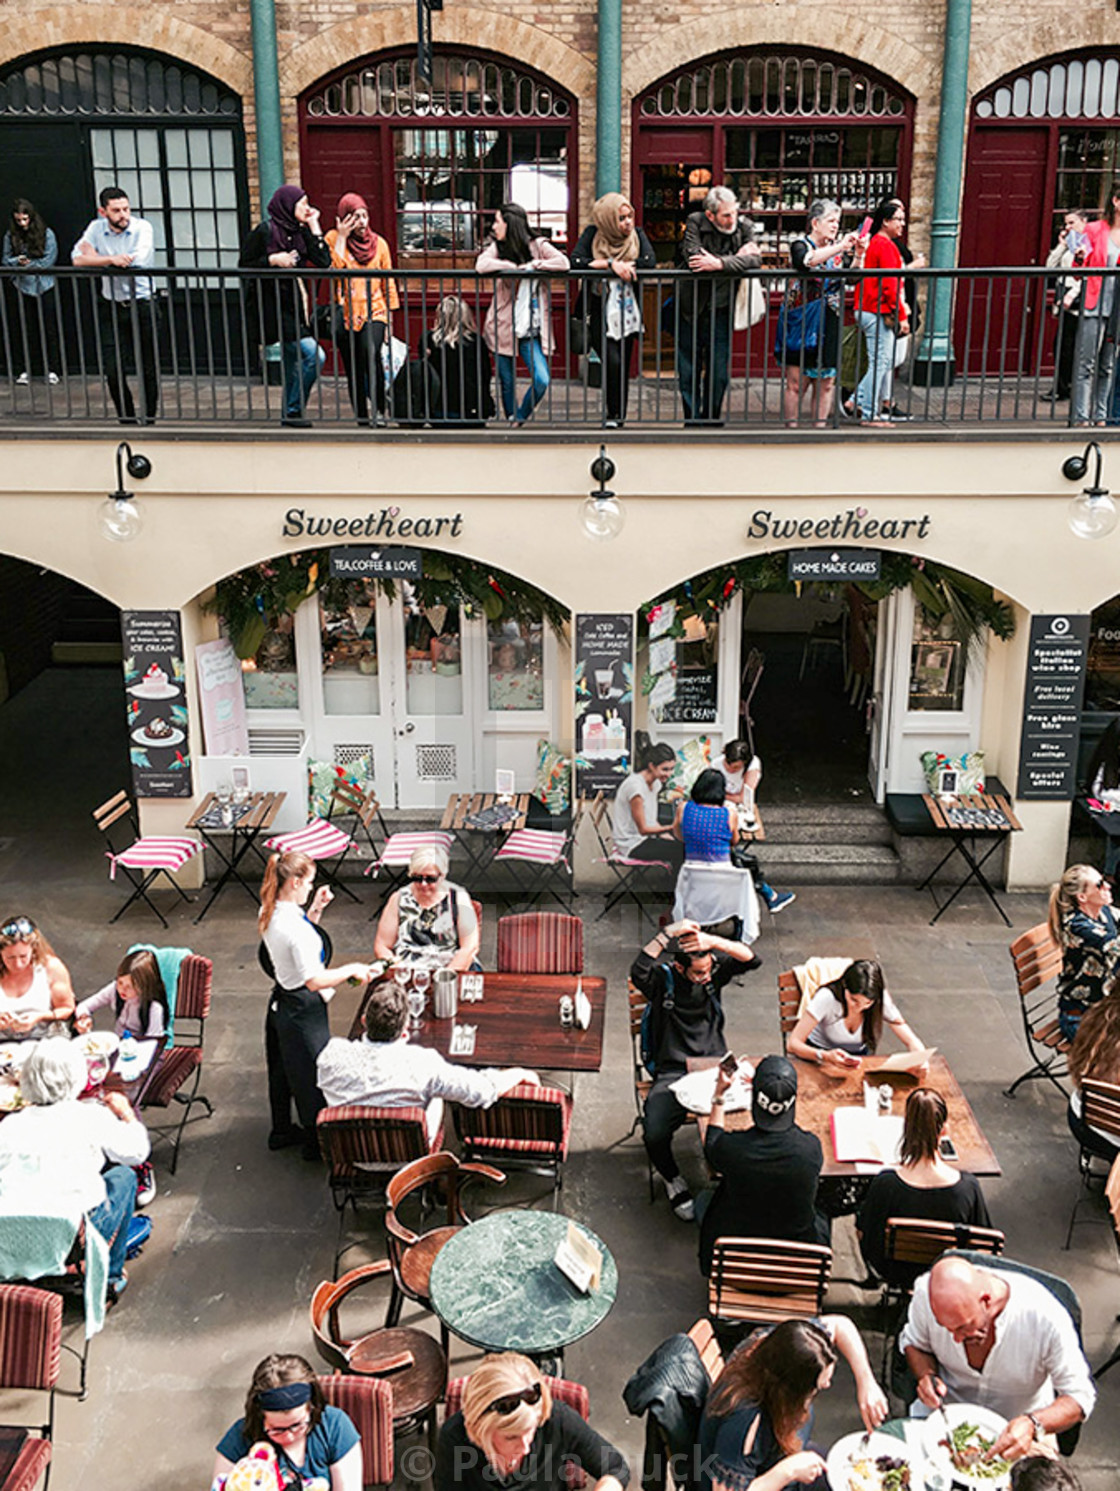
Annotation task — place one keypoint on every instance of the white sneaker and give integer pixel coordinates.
(23, 380)
(680, 1198)
(52, 378)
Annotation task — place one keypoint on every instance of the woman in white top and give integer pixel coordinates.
(35, 990)
(296, 1028)
(635, 829)
(844, 1020)
(136, 996)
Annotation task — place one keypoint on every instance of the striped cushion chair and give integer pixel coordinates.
(540, 942)
(183, 1060)
(529, 1129)
(30, 1350)
(537, 858)
(146, 858)
(368, 1404)
(563, 1390)
(324, 841)
(396, 852)
(625, 869)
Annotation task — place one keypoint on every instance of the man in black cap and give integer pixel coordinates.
(681, 971)
(769, 1172)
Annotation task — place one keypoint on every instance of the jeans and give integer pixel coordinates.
(112, 1217)
(875, 385)
(703, 359)
(1094, 362)
(301, 362)
(532, 354)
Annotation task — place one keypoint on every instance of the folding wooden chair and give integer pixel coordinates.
(1100, 1109)
(789, 1003)
(1038, 961)
(324, 841)
(627, 871)
(762, 1280)
(145, 858)
(177, 1063)
(540, 942)
(539, 858)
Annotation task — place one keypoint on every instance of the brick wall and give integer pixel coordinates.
(31, 609)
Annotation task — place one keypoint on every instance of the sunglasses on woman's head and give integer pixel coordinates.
(509, 1401)
(425, 879)
(20, 926)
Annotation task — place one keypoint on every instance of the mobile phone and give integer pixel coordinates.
(729, 1065)
(865, 227)
(947, 1149)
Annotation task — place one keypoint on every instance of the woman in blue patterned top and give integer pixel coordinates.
(707, 825)
(1084, 927)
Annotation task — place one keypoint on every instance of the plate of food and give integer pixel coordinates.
(97, 1043)
(958, 1438)
(14, 1053)
(157, 732)
(872, 1462)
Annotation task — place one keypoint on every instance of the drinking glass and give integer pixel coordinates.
(421, 977)
(417, 999)
(224, 793)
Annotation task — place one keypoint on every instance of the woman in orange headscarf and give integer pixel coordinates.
(364, 304)
(612, 307)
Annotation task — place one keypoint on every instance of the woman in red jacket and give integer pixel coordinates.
(1095, 358)
(882, 310)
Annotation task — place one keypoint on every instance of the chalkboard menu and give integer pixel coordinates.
(155, 685)
(1059, 648)
(694, 702)
(604, 705)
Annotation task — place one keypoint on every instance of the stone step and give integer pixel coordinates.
(830, 864)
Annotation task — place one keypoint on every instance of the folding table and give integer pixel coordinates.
(247, 821)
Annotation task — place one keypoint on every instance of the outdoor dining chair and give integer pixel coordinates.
(628, 872)
(1038, 961)
(528, 1129)
(541, 860)
(761, 1280)
(325, 841)
(146, 858)
(789, 1003)
(368, 1404)
(540, 942)
(181, 1061)
(30, 1355)
(1100, 1110)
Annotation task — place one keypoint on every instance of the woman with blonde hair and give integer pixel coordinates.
(296, 1028)
(1096, 1054)
(315, 1443)
(429, 920)
(1083, 926)
(460, 360)
(510, 1427)
(611, 306)
(35, 991)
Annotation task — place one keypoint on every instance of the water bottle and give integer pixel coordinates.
(128, 1057)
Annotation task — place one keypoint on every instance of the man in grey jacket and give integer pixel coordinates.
(716, 242)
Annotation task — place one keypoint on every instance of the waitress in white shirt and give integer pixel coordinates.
(844, 1020)
(296, 1028)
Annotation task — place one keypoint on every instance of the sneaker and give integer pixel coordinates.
(116, 1288)
(23, 380)
(145, 1184)
(53, 379)
(680, 1198)
(782, 899)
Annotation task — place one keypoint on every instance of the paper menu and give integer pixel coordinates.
(858, 1135)
(579, 1260)
(908, 1061)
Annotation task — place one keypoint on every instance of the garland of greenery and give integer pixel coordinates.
(276, 587)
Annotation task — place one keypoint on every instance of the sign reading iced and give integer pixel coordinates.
(1059, 648)
(834, 564)
(604, 678)
(377, 564)
(154, 679)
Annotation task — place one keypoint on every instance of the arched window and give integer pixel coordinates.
(434, 160)
(780, 127)
(74, 121)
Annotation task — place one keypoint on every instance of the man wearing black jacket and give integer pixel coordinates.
(716, 242)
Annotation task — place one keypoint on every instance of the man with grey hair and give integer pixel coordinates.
(716, 242)
(52, 1153)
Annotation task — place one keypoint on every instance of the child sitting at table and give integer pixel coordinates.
(137, 996)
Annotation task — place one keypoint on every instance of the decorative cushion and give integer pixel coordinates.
(969, 769)
(692, 758)
(323, 775)
(553, 786)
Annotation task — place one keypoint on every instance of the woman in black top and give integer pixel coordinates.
(461, 361)
(612, 306)
(510, 1432)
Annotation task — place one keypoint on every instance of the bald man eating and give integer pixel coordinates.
(1000, 1339)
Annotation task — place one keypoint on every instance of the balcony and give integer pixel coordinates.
(214, 375)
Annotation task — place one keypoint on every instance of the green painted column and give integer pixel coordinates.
(608, 100)
(266, 95)
(934, 362)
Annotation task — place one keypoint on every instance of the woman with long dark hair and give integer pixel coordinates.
(635, 828)
(136, 995)
(882, 310)
(844, 1020)
(31, 246)
(520, 316)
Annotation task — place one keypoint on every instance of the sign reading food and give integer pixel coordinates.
(154, 681)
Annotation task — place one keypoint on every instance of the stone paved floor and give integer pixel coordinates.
(242, 1236)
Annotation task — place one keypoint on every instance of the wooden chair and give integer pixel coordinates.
(324, 841)
(1112, 1196)
(763, 1280)
(1100, 1109)
(30, 1354)
(540, 942)
(1038, 961)
(410, 1362)
(176, 1064)
(368, 1403)
(412, 1254)
(657, 1452)
(563, 1390)
(703, 1337)
(145, 858)
(529, 1128)
(789, 1003)
(539, 859)
(627, 871)
(642, 1081)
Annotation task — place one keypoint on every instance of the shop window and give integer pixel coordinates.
(937, 664)
(515, 668)
(270, 674)
(433, 657)
(348, 649)
(1102, 678)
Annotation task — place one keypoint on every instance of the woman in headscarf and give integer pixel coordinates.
(365, 304)
(291, 238)
(611, 306)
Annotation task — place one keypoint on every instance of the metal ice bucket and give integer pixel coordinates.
(445, 994)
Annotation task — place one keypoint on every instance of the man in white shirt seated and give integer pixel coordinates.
(1002, 1340)
(383, 1070)
(52, 1153)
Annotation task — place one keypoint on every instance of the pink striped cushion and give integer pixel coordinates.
(534, 844)
(30, 1336)
(368, 1403)
(623, 859)
(319, 840)
(153, 853)
(399, 848)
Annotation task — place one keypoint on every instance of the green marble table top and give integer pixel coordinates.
(495, 1285)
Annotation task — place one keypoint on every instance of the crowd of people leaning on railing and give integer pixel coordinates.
(344, 290)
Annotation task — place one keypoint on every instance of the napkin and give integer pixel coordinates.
(582, 1007)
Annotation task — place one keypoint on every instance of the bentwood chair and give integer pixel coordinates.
(1038, 961)
(30, 1353)
(146, 858)
(368, 1404)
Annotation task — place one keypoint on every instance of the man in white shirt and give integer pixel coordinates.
(383, 1070)
(129, 311)
(1000, 1339)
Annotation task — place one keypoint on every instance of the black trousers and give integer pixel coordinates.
(130, 333)
(295, 1031)
(361, 357)
(663, 1116)
(617, 358)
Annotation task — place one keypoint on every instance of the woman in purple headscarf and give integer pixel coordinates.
(290, 239)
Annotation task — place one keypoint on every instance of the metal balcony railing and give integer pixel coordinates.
(199, 348)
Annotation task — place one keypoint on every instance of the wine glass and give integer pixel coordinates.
(421, 977)
(402, 973)
(417, 999)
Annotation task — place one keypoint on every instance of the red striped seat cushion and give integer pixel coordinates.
(540, 942)
(153, 853)
(353, 1135)
(319, 840)
(399, 848)
(30, 1336)
(534, 844)
(527, 1120)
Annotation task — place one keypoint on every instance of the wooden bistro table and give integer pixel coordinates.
(248, 821)
(481, 843)
(969, 822)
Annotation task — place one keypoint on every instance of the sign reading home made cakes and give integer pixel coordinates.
(1059, 649)
(604, 704)
(155, 687)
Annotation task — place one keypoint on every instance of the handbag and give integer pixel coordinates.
(799, 327)
(750, 303)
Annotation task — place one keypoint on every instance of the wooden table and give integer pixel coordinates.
(250, 820)
(950, 818)
(818, 1094)
(481, 844)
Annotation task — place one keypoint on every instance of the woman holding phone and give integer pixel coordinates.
(843, 1021)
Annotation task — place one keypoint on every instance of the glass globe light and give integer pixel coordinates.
(1093, 514)
(602, 517)
(119, 519)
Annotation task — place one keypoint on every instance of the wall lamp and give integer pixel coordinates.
(1093, 514)
(118, 517)
(601, 513)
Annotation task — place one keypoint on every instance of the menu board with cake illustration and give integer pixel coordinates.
(155, 687)
(604, 679)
